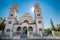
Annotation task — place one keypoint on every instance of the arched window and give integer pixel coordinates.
(10, 22)
(19, 29)
(38, 14)
(39, 21)
(30, 28)
(8, 30)
(40, 29)
(11, 14)
(26, 21)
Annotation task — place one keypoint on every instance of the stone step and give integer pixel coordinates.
(43, 39)
(23, 37)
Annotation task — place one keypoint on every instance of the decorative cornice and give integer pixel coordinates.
(22, 23)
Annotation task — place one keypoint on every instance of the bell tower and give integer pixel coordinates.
(11, 18)
(38, 19)
(13, 11)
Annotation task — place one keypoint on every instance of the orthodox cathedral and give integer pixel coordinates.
(26, 27)
(26, 24)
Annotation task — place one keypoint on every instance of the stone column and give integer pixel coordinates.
(53, 33)
(11, 35)
(30, 34)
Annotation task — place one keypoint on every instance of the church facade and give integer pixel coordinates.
(26, 24)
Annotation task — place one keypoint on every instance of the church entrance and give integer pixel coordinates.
(24, 30)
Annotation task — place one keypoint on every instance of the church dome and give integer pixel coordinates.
(27, 17)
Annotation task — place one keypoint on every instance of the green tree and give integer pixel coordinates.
(48, 31)
(53, 28)
(2, 24)
(58, 27)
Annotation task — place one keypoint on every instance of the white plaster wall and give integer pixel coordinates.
(26, 25)
(9, 26)
(15, 27)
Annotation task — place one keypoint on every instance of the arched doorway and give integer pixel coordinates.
(19, 29)
(24, 30)
(30, 28)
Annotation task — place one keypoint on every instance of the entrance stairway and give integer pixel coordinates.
(23, 37)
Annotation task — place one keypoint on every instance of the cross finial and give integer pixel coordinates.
(36, 5)
(15, 6)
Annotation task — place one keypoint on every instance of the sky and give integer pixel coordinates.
(50, 9)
